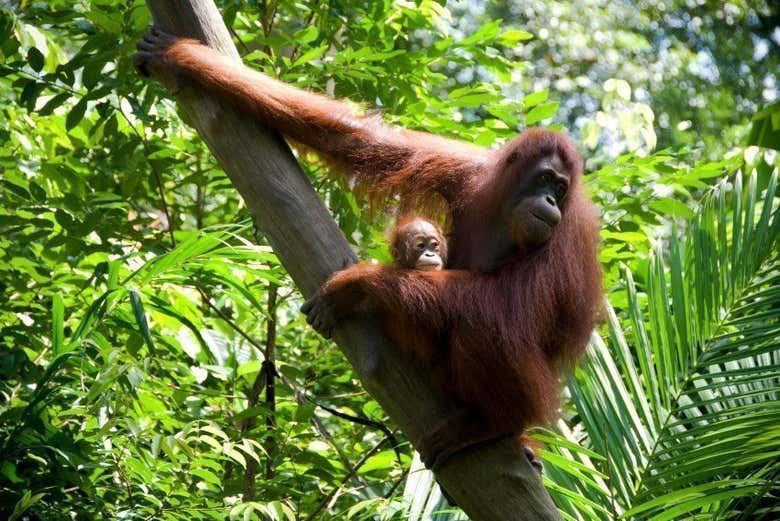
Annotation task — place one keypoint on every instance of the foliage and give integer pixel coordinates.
(690, 426)
(766, 127)
(153, 364)
(704, 67)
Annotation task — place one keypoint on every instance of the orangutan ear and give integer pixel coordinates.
(394, 254)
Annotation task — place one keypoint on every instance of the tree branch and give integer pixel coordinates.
(491, 482)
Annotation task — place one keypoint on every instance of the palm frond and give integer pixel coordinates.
(686, 411)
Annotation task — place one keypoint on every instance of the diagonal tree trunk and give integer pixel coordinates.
(493, 482)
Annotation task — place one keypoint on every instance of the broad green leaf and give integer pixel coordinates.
(35, 59)
(540, 112)
(671, 207)
(485, 33)
(311, 54)
(308, 35)
(53, 103)
(514, 36)
(76, 114)
(535, 98)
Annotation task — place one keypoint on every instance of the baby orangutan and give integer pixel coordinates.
(417, 243)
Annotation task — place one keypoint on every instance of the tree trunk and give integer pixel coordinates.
(492, 482)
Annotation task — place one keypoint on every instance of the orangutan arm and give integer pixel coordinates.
(381, 158)
(417, 297)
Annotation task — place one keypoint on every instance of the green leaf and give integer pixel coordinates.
(29, 95)
(540, 112)
(534, 99)
(473, 100)
(765, 131)
(685, 400)
(105, 19)
(207, 476)
(57, 324)
(311, 55)
(380, 461)
(482, 35)
(251, 367)
(53, 103)
(16, 189)
(27, 500)
(308, 35)
(35, 59)
(513, 36)
(631, 237)
(233, 454)
(93, 71)
(671, 207)
(76, 114)
(140, 319)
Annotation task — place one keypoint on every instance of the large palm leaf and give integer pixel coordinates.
(686, 414)
(677, 412)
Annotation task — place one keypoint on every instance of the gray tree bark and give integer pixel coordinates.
(492, 482)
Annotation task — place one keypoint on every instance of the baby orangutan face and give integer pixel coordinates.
(419, 244)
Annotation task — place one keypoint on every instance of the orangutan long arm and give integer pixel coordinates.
(416, 296)
(382, 158)
(403, 292)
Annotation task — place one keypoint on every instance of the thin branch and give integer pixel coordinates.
(301, 395)
(288, 382)
(239, 40)
(125, 479)
(227, 319)
(200, 191)
(324, 502)
(398, 481)
(155, 172)
(319, 426)
(306, 23)
(363, 421)
(263, 380)
(269, 368)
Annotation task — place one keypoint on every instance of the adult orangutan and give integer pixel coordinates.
(518, 301)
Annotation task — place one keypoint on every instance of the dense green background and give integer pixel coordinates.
(138, 315)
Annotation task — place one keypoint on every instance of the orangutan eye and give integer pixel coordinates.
(546, 178)
(420, 245)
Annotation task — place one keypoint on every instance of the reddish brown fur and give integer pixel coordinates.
(499, 326)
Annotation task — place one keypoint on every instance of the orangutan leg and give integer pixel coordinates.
(453, 434)
(460, 431)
